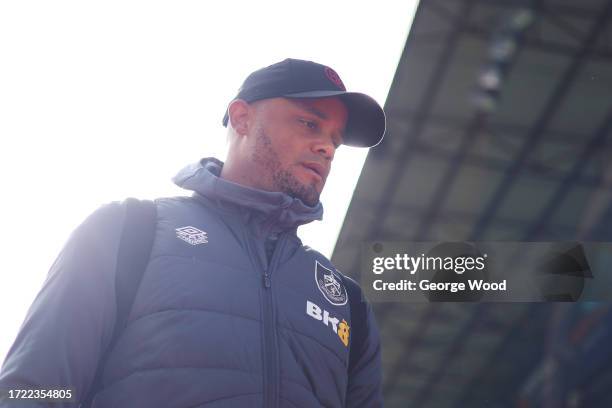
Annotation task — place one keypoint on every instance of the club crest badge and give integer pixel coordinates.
(330, 284)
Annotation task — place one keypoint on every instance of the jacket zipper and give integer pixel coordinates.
(269, 323)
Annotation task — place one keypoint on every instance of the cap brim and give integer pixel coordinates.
(366, 120)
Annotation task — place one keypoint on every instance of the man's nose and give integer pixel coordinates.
(326, 147)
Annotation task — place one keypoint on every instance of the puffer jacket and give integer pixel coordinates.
(216, 322)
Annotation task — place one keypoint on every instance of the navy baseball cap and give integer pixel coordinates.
(294, 78)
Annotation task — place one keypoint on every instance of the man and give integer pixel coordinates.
(232, 309)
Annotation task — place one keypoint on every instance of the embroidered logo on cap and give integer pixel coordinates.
(334, 77)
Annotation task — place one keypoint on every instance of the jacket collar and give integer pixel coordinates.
(271, 211)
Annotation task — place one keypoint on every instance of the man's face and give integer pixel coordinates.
(293, 144)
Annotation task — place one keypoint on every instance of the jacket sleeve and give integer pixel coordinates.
(365, 376)
(71, 320)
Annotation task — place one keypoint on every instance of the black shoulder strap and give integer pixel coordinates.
(132, 259)
(359, 316)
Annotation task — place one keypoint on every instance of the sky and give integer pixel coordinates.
(100, 101)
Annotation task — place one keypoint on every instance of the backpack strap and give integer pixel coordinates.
(133, 257)
(359, 316)
(135, 246)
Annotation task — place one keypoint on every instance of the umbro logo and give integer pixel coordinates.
(191, 235)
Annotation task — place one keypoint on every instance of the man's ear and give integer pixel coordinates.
(238, 111)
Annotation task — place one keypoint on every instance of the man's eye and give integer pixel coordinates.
(309, 124)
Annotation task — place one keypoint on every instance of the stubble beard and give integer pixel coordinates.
(265, 157)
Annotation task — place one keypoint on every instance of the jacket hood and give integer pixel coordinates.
(277, 210)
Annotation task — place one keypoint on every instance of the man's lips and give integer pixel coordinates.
(317, 168)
